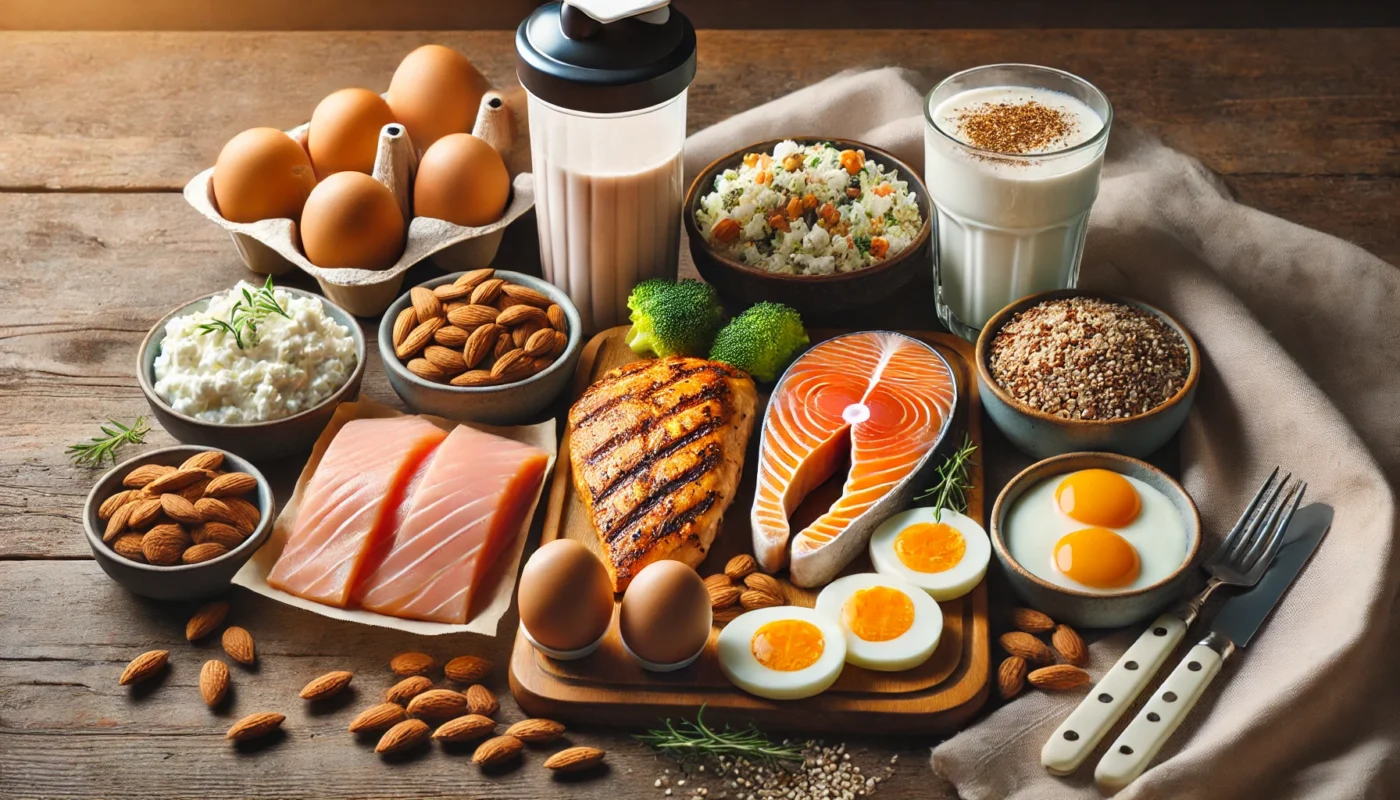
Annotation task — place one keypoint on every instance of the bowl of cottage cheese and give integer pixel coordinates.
(262, 390)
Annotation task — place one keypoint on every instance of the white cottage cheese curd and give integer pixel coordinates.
(290, 365)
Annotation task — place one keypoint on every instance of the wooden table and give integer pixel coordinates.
(99, 132)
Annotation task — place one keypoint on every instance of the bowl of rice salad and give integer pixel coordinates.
(819, 224)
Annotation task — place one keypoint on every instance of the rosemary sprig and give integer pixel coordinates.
(114, 435)
(685, 740)
(247, 314)
(954, 479)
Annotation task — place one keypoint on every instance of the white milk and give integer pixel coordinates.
(1008, 226)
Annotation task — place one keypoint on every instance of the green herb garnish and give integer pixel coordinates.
(104, 448)
(247, 314)
(954, 480)
(685, 740)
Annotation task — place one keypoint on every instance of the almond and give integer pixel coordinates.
(163, 544)
(510, 367)
(214, 509)
(446, 359)
(765, 583)
(1026, 646)
(725, 597)
(175, 480)
(474, 278)
(406, 321)
(418, 338)
(756, 598)
(539, 342)
(407, 734)
(144, 513)
(129, 546)
(451, 336)
(487, 291)
(526, 295)
(254, 726)
(116, 501)
(425, 304)
(536, 730)
(1011, 677)
(199, 553)
(213, 682)
(504, 344)
(179, 509)
(476, 377)
(206, 620)
(378, 718)
(497, 750)
(481, 343)
(407, 689)
(144, 474)
(519, 315)
(520, 334)
(427, 370)
(717, 581)
(466, 669)
(217, 533)
(144, 666)
(740, 567)
(575, 759)
(557, 320)
(405, 664)
(448, 292)
(471, 317)
(246, 516)
(481, 701)
(206, 460)
(118, 522)
(560, 343)
(1070, 646)
(1058, 678)
(238, 643)
(465, 728)
(438, 704)
(728, 614)
(231, 484)
(327, 685)
(1031, 621)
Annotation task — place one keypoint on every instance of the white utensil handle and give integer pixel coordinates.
(1086, 726)
(1140, 742)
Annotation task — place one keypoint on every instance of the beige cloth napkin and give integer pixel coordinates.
(1300, 335)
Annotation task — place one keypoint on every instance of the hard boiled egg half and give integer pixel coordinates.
(782, 653)
(946, 554)
(890, 624)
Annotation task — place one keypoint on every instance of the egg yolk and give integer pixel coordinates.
(1098, 497)
(930, 547)
(1097, 557)
(878, 613)
(787, 645)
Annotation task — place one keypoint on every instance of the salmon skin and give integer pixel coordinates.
(883, 399)
(350, 505)
(463, 512)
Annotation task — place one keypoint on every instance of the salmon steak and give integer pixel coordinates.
(882, 401)
(350, 505)
(460, 514)
(657, 449)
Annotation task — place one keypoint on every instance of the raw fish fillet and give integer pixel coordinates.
(465, 510)
(350, 505)
(882, 398)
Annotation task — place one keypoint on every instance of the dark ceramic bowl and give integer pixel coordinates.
(1095, 609)
(507, 404)
(1042, 435)
(257, 441)
(182, 581)
(743, 285)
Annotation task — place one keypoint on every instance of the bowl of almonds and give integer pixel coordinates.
(177, 523)
(486, 346)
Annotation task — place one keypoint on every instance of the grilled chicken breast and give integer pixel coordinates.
(657, 449)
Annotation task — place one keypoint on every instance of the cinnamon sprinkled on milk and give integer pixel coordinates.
(1017, 121)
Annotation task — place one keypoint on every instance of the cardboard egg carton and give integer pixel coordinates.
(272, 246)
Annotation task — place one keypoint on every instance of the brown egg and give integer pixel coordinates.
(352, 220)
(436, 91)
(463, 180)
(665, 615)
(566, 597)
(344, 131)
(262, 173)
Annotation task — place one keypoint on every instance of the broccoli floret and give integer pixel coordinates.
(673, 318)
(761, 341)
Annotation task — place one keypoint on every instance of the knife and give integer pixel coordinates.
(1239, 619)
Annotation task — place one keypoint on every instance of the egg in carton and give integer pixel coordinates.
(272, 246)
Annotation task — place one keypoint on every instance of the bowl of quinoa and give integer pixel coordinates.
(1071, 371)
(819, 224)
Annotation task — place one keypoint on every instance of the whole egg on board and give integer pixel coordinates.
(344, 131)
(262, 173)
(565, 597)
(463, 180)
(665, 616)
(436, 91)
(352, 221)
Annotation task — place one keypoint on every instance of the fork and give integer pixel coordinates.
(1239, 561)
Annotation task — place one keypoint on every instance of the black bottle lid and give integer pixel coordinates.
(605, 56)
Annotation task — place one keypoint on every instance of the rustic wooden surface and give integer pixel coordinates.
(99, 131)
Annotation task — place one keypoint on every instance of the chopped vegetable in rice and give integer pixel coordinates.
(809, 210)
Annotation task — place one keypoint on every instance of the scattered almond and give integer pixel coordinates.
(144, 512)
(213, 682)
(740, 567)
(557, 320)
(179, 509)
(327, 685)
(238, 643)
(1058, 678)
(405, 664)
(199, 553)
(1026, 646)
(164, 544)
(407, 689)
(144, 667)
(497, 750)
(725, 597)
(1031, 621)
(418, 338)
(465, 728)
(403, 324)
(765, 583)
(1011, 677)
(206, 460)
(575, 759)
(451, 336)
(116, 501)
(476, 377)
(728, 614)
(481, 701)
(438, 704)
(174, 480)
(231, 484)
(526, 295)
(466, 669)
(536, 730)
(206, 620)
(144, 474)
(1070, 646)
(425, 304)
(718, 581)
(128, 545)
(254, 726)
(217, 533)
(378, 718)
(406, 735)
(754, 599)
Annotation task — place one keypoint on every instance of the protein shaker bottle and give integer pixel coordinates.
(607, 83)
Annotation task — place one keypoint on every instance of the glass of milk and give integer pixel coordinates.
(1012, 155)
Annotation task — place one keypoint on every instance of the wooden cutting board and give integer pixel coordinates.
(608, 687)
